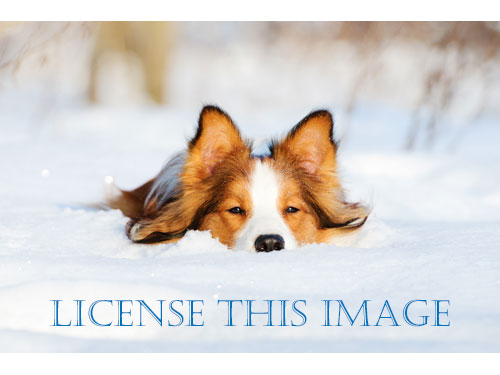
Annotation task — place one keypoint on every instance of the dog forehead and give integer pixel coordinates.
(265, 186)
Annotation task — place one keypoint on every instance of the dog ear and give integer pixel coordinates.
(215, 139)
(310, 143)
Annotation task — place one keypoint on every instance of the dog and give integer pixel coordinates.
(287, 198)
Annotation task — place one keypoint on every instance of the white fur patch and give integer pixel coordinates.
(265, 215)
(167, 181)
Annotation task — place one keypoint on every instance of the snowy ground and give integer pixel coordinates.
(433, 234)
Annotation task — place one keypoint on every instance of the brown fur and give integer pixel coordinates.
(131, 202)
(307, 156)
(215, 178)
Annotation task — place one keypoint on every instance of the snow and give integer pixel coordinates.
(433, 232)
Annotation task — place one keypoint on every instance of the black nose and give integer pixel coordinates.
(269, 242)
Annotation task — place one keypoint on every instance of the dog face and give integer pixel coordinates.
(252, 213)
(288, 198)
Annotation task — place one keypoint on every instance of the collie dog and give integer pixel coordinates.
(290, 197)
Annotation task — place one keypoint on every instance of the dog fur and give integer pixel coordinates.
(293, 194)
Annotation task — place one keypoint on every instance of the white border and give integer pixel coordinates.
(264, 10)
(241, 364)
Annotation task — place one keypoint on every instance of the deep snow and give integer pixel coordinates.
(433, 234)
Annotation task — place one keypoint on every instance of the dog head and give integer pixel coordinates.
(288, 198)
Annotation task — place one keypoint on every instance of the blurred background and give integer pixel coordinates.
(437, 78)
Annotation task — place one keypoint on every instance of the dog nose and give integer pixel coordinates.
(269, 242)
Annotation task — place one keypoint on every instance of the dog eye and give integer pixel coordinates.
(291, 210)
(237, 211)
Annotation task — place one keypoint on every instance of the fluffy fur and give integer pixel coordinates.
(293, 194)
